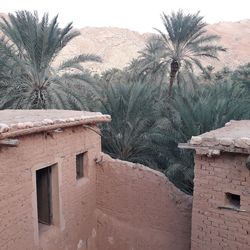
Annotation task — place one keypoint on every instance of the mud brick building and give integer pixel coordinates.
(59, 192)
(47, 178)
(221, 200)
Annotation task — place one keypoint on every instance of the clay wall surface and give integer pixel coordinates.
(139, 209)
(75, 225)
(213, 226)
(117, 206)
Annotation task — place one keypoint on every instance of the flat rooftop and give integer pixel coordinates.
(234, 137)
(19, 122)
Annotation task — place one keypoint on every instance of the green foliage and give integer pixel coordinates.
(114, 75)
(242, 75)
(28, 50)
(209, 107)
(134, 112)
(180, 49)
(194, 112)
(186, 40)
(145, 129)
(151, 65)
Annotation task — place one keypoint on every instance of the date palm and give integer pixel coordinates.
(28, 77)
(150, 66)
(133, 107)
(186, 42)
(242, 75)
(194, 112)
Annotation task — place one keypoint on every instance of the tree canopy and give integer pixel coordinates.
(28, 49)
(180, 47)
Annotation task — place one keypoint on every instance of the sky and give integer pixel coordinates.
(136, 15)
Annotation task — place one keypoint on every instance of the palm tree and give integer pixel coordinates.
(28, 77)
(242, 75)
(150, 66)
(145, 129)
(133, 107)
(113, 75)
(186, 42)
(194, 112)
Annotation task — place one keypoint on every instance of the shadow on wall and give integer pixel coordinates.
(139, 209)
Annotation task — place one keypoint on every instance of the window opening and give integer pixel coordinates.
(233, 200)
(43, 185)
(80, 165)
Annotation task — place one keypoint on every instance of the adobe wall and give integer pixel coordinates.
(212, 227)
(139, 209)
(77, 198)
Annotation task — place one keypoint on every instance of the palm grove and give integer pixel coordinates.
(164, 97)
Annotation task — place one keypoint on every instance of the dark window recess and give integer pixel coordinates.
(80, 165)
(233, 200)
(43, 187)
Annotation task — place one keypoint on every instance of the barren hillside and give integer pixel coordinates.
(235, 36)
(118, 46)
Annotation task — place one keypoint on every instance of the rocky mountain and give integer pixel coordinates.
(118, 46)
(235, 36)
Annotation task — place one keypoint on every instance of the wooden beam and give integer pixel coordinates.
(9, 142)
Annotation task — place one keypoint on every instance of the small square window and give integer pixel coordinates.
(80, 165)
(233, 200)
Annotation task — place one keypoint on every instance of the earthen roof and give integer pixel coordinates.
(234, 137)
(20, 122)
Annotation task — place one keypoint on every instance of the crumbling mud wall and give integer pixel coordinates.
(139, 209)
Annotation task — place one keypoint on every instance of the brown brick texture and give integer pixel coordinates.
(214, 228)
(138, 208)
(18, 218)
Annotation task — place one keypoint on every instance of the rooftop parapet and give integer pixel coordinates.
(14, 123)
(234, 137)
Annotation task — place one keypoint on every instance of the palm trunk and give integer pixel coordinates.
(174, 69)
(171, 82)
(178, 78)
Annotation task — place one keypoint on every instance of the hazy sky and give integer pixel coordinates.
(136, 15)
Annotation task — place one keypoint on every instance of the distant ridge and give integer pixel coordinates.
(118, 46)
